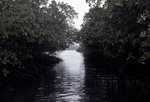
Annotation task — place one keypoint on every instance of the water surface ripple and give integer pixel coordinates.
(78, 80)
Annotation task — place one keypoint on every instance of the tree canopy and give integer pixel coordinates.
(119, 28)
(30, 28)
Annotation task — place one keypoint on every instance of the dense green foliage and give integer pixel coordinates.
(29, 28)
(118, 29)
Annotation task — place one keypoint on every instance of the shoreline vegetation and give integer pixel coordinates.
(117, 34)
(28, 29)
(34, 68)
(116, 66)
(114, 35)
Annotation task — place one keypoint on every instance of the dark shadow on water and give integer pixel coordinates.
(30, 90)
(103, 85)
(78, 79)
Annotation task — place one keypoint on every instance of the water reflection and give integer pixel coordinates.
(69, 82)
(101, 86)
(76, 79)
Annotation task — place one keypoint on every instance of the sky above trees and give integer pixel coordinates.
(81, 7)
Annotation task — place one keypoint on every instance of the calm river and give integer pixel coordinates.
(76, 80)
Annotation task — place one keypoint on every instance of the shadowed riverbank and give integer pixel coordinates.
(78, 79)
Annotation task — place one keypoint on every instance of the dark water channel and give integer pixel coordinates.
(75, 80)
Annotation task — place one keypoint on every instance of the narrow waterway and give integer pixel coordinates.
(78, 80)
(70, 75)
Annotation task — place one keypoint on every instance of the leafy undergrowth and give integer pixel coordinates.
(33, 70)
(118, 66)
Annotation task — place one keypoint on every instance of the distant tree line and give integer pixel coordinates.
(117, 29)
(30, 28)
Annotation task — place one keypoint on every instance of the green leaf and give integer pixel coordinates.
(5, 72)
(143, 34)
(118, 4)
